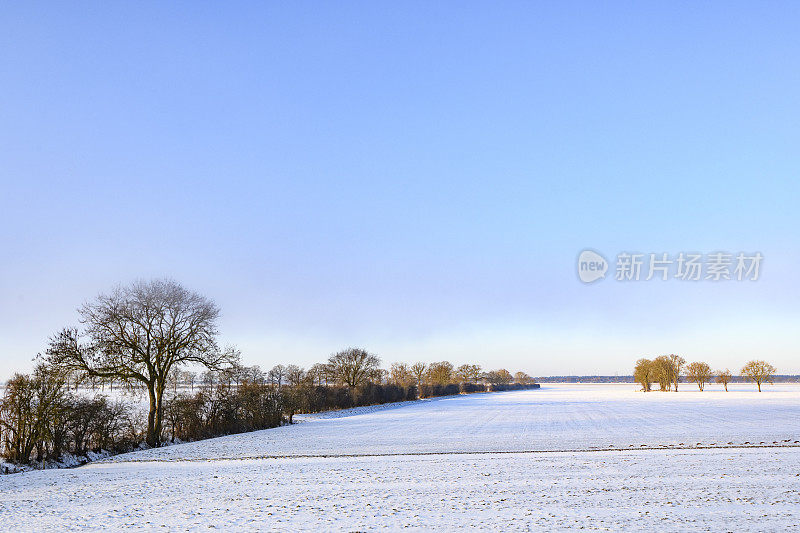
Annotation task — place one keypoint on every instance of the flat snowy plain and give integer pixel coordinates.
(566, 456)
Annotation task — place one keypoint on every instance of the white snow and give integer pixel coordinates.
(555, 417)
(503, 461)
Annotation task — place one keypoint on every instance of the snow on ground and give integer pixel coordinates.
(555, 417)
(547, 475)
(622, 491)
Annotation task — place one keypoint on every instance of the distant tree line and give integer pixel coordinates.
(584, 379)
(146, 337)
(667, 370)
(777, 378)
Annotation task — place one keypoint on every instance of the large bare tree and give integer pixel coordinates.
(142, 333)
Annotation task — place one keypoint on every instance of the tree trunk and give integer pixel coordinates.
(160, 386)
(151, 416)
(759, 386)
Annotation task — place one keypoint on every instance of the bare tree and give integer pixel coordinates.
(724, 377)
(254, 374)
(291, 401)
(643, 373)
(379, 376)
(28, 404)
(243, 374)
(440, 373)
(759, 372)
(191, 378)
(143, 333)
(700, 373)
(677, 365)
(277, 375)
(401, 374)
(173, 381)
(469, 373)
(353, 366)
(663, 372)
(499, 377)
(523, 378)
(294, 375)
(419, 370)
(316, 374)
(209, 379)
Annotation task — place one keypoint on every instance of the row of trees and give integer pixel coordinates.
(353, 367)
(349, 378)
(246, 405)
(43, 416)
(147, 337)
(667, 370)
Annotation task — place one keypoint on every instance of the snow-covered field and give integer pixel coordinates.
(564, 456)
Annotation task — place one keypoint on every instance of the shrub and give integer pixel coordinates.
(467, 388)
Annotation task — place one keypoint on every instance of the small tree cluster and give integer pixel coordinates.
(41, 420)
(666, 370)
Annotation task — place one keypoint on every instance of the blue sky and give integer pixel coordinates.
(416, 178)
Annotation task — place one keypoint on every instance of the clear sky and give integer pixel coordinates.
(416, 178)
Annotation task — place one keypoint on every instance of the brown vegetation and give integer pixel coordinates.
(666, 371)
(759, 372)
(724, 377)
(700, 373)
